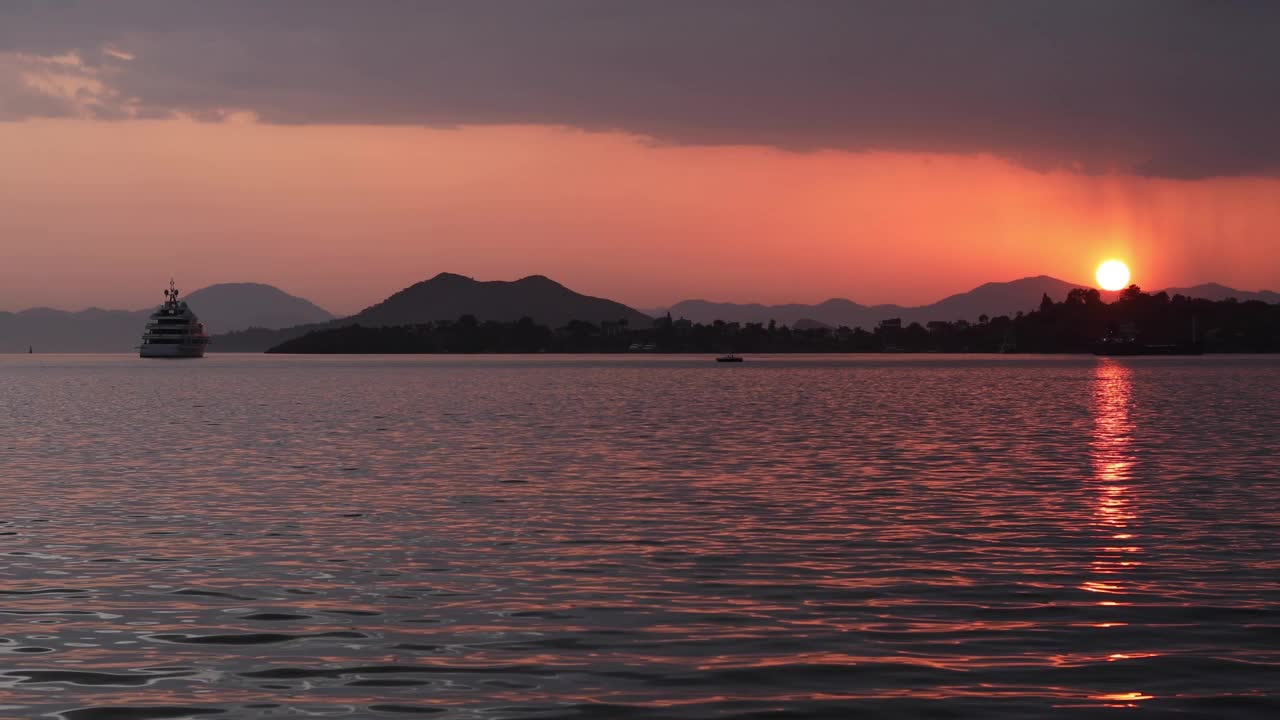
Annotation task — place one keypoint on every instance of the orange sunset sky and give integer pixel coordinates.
(343, 208)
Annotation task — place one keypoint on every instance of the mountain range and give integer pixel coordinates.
(1214, 291)
(251, 317)
(991, 299)
(223, 308)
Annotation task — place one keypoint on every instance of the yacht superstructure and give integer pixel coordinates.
(173, 331)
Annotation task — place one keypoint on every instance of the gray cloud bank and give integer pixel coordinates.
(1176, 88)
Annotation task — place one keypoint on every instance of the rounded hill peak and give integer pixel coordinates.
(450, 277)
(538, 280)
(227, 307)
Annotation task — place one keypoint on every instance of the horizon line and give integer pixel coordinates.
(637, 307)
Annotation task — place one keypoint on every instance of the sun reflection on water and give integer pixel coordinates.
(1115, 506)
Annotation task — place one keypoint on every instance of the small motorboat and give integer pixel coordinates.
(729, 358)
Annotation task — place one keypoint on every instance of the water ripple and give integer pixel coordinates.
(512, 538)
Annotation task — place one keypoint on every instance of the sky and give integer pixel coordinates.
(787, 151)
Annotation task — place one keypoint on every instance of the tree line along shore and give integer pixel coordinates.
(1073, 325)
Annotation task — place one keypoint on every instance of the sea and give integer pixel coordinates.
(511, 537)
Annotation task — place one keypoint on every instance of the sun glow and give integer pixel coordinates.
(1113, 275)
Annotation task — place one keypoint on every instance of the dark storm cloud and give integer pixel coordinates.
(1180, 89)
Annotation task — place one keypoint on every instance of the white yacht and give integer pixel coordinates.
(173, 330)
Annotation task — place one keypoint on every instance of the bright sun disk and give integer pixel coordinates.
(1113, 275)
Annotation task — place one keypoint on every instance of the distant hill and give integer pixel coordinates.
(226, 307)
(223, 307)
(992, 299)
(995, 298)
(92, 330)
(447, 297)
(1214, 291)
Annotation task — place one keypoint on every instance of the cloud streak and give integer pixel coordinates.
(45, 86)
(1180, 89)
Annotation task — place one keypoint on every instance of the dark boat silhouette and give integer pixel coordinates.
(729, 358)
(1123, 340)
(1133, 347)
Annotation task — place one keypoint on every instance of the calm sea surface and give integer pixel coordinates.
(639, 537)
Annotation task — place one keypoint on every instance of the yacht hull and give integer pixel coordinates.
(171, 351)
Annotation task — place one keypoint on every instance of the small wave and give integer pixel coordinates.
(44, 591)
(137, 712)
(275, 617)
(84, 677)
(210, 593)
(252, 638)
(297, 673)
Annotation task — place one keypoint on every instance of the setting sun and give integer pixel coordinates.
(1113, 275)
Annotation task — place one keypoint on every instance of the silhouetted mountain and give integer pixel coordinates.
(92, 330)
(226, 307)
(1214, 291)
(222, 307)
(994, 299)
(447, 297)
